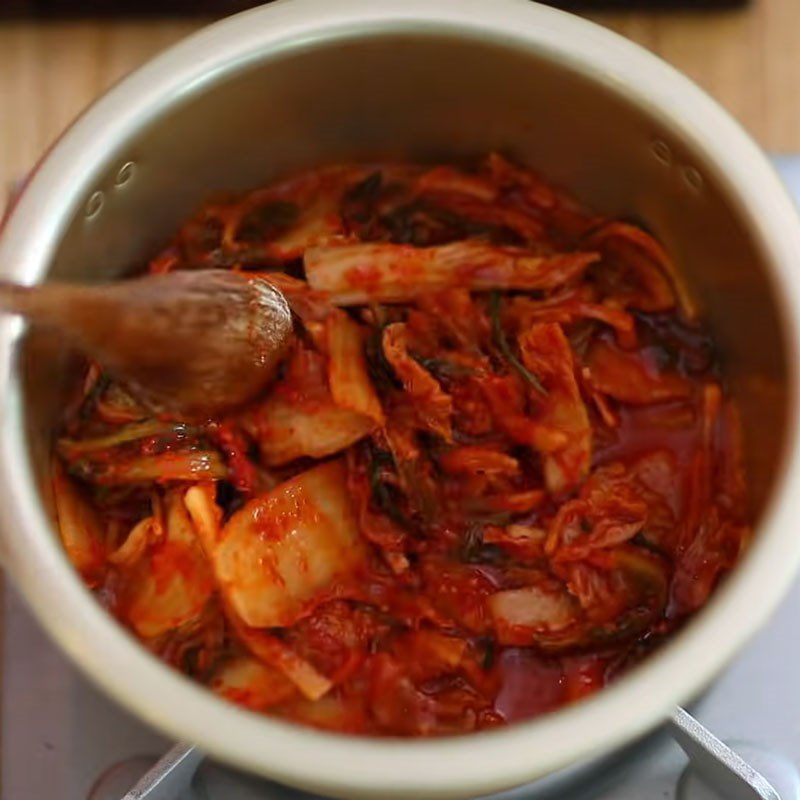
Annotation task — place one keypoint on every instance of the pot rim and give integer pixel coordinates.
(476, 763)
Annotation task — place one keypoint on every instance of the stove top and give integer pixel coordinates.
(60, 739)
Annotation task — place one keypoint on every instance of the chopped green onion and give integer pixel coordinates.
(505, 348)
(381, 494)
(74, 448)
(442, 368)
(187, 466)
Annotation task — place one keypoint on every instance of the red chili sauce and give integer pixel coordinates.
(498, 468)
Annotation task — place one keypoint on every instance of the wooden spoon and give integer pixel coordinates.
(191, 344)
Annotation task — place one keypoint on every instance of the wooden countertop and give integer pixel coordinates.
(749, 59)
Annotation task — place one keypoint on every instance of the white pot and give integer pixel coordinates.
(302, 82)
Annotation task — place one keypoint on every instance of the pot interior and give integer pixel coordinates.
(433, 95)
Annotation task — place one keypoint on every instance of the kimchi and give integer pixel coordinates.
(498, 468)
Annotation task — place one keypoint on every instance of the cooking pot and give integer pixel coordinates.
(304, 82)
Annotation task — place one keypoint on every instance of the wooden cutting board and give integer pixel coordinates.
(748, 58)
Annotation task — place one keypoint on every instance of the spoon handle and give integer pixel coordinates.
(51, 304)
(16, 299)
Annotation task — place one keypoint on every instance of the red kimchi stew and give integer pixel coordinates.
(499, 467)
